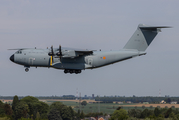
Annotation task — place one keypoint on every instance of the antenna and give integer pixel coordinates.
(80, 102)
(76, 93)
(99, 104)
(159, 93)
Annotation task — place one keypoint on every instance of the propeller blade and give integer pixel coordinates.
(60, 52)
(52, 50)
(51, 54)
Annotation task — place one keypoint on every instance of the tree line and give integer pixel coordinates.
(107, 99)
(137, 99)
(30, 108)
(71, 97)
(135, 114)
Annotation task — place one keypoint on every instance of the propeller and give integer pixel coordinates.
(51, 54)
(60, 52)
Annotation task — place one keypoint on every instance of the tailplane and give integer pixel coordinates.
(142, 37)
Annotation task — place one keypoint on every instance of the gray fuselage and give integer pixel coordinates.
(40, 58)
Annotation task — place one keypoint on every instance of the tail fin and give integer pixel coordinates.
(142, 37)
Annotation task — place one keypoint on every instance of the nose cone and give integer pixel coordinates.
(12, 58)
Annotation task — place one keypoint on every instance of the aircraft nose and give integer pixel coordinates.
(12, 58)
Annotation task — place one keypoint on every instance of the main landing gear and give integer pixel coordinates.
(72, 71)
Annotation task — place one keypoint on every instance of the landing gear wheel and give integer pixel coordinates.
(65, 71)
(79, 71)
(27, 69)
(76, 71)
(71, 71)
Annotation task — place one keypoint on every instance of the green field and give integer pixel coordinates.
(107, 108)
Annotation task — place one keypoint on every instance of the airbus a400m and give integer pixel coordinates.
(76, 60)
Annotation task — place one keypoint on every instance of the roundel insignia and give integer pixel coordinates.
(104, 57)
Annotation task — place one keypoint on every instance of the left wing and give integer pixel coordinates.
(71, 53)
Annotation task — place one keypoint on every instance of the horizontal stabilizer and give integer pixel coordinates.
(152, 28)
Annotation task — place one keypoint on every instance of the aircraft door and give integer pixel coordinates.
(30, 61)
(90, 61)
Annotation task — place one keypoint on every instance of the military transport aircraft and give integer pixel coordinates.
(75, 60)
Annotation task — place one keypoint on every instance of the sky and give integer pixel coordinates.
(90, 24)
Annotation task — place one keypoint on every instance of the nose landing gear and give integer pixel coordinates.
(72, 71)
(27, 69)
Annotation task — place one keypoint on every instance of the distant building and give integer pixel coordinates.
(68, 96)
(173, 102)
(129, 102)
(43, 101)
(101, 118)
(98, 118)
(92, 96)
(162, 102)
(7, 101)
(90, 118)
(145, 102)
(85, 96)
(117, 102)
(167, 96)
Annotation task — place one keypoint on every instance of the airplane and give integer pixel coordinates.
(75, 60)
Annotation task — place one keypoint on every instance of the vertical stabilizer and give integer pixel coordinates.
(142, 37)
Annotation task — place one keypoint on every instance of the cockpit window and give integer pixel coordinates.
(19, 52)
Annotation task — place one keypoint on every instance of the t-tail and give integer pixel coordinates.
(142, 37)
